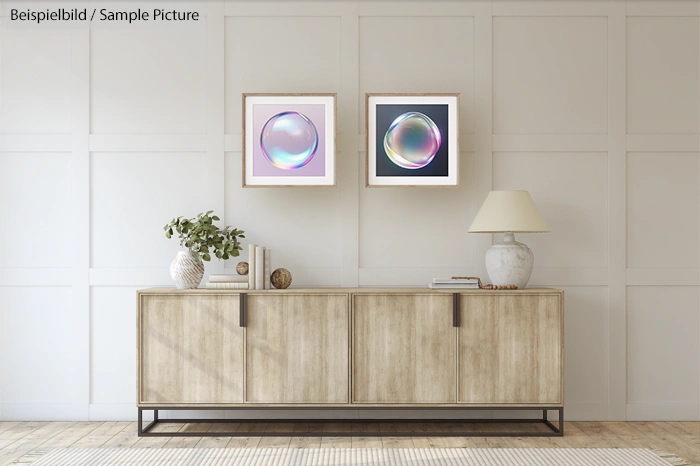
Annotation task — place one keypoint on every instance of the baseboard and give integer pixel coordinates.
(663, 411)
(44, 412)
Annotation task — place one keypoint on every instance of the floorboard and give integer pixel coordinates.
(20, 438)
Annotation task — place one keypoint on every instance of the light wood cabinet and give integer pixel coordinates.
(190, 349)
(403, 348)
(511, 349)
(297, 349)
(350, 347)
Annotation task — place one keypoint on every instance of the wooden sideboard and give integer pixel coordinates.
(350, 348)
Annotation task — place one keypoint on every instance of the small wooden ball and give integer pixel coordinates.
(281, 279)
(242, 268)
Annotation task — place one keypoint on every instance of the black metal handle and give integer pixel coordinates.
(455, 309)
(243, 309)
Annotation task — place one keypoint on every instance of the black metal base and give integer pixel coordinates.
(556, 431)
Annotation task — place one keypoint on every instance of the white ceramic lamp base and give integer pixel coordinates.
(509, 262)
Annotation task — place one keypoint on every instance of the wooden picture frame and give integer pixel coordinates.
(289, 140)
(435, 118)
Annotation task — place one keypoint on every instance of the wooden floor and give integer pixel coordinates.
(20, 438)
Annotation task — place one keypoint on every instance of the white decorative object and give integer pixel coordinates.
(509, 262)
(268, 270)
(187, 270)
(260, 268)
(251, 266)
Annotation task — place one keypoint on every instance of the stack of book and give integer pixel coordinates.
(259, 267)
(454, 283)
(228, 282)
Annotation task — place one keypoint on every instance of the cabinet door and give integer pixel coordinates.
(191, 349)
(510, 349)
(403, 349)
(297, 348)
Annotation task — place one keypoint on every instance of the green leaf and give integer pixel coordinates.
(215, 218)
(206, 257)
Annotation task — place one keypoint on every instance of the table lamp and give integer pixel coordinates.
(509, 212)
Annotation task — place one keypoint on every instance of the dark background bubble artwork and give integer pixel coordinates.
(385, 116)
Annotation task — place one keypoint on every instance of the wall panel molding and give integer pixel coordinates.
(80, 71)
(420, 9)
(663, 143)
(586, 411)
(483, 121)
(281, 8)
(36, 143)
(348, 173)
(216, 115)
(617, 214)
(663, 8)
(550, 142)
(662, 411)
(569, 276)
(36, 276)
(44, 412)
(547, 8)
(149, 142)
(663, 276)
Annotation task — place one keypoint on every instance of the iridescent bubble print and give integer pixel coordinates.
(289, 140)
(412, 140)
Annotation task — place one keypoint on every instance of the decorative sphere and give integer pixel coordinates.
(412, 140)
(242, 268)
(281, 279)
(289, 140)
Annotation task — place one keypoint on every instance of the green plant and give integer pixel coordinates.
(199, 234)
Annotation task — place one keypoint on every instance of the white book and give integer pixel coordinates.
(455, 280)
(260, 268)
(251, 266)
(227, 286)
(268, 271)
(228, 278)
(456, 286)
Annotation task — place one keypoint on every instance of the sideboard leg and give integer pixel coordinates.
(144, 431)
(561, 421)
(140, 421)
(558, 430)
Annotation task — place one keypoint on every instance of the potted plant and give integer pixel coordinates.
(200, 237)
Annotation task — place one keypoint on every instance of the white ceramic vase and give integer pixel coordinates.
(187, 270)
(509, 262)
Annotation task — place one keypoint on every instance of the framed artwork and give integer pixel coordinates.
(412, 139)
(289, 140)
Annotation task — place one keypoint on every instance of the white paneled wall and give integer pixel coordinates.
(107, 133)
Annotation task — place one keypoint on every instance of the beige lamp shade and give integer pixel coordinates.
(513, 211)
